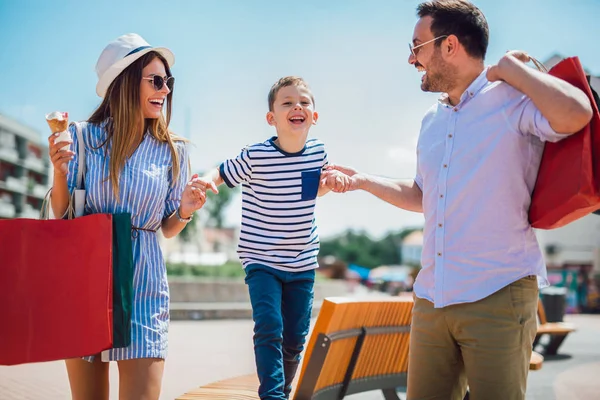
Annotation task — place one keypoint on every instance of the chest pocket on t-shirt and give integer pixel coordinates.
(310, 184)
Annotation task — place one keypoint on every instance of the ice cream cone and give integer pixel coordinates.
(59, 122)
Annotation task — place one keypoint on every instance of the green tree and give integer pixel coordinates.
(359, 248)
(216, 204)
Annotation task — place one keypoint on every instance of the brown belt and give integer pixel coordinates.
(135, 231)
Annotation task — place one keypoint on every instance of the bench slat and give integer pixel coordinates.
(556, 328)
(382, 354)
(536, 361)
(239, 388)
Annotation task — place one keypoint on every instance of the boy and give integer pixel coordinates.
(278, 247)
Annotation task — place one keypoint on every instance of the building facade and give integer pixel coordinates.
(24, 170)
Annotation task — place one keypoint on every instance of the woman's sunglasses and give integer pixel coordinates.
(158, 82)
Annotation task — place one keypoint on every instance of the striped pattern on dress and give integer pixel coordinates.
(150, 193)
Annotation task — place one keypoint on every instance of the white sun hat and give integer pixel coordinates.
(120, 54)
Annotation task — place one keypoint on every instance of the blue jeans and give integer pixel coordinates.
(281, 309)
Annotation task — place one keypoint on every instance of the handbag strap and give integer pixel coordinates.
(79, 184)
(81, 166)
(541, 67)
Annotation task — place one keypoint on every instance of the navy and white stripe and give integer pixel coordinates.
(149, 192)
(278, 223)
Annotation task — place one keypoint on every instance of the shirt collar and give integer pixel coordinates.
(474, 88)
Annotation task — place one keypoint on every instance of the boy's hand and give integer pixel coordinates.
(335, 180)
(204, 184)
(355, 177)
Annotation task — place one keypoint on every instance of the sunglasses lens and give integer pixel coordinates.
(158, 82)
(170, 83)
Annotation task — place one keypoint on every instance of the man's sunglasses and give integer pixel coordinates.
(158, 82)
(415, 49)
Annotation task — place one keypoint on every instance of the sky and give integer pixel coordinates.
(353, 54)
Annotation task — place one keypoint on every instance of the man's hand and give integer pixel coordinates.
(340, 179)
(345, 170)
(566, 107)
(496, 72)
(335, 181)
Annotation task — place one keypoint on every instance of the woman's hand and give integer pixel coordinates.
(60, 158)
(193, 197)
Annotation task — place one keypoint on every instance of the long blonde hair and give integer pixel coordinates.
(126, 125)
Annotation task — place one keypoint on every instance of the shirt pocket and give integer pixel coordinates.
(151, 181)
(310, 184)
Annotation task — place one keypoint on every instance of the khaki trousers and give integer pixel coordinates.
(485, 345)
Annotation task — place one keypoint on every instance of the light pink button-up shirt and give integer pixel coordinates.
(477, 164)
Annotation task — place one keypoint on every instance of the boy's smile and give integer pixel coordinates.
(293, 111)
(297, 119)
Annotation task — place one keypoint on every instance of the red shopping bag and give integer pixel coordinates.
(55, 288)
(568, 181)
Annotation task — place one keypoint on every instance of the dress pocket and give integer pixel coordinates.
(310, 184)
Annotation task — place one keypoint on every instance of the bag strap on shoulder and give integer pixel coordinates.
(45, 212)
(81, 167)
(541, 67)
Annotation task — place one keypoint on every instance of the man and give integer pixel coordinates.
(478, 154)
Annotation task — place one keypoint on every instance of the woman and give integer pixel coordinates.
(136, 165)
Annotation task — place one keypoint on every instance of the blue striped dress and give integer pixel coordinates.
(279, 191)
(149, 192)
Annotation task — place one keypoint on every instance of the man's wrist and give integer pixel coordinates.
(361, 181)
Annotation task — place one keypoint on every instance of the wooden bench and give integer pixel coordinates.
(356, 346)
(557, 331)
(536, 361)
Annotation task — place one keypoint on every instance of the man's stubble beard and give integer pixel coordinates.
(440, 76)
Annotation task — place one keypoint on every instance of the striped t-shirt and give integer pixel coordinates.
(279, 192)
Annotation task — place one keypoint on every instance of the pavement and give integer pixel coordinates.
(208, 350)
(197, 311)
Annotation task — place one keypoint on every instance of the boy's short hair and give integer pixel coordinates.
(284, 82)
